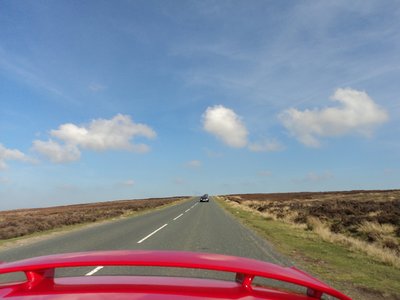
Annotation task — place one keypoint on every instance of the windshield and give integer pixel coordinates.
(260, 129)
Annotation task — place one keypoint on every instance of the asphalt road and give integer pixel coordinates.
(190, 226)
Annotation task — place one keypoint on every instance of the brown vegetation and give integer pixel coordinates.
(367, 221)
(16, 223)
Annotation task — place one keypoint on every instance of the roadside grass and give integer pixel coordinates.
(62, 228)
(348, 270)
(374, 250)
(368, 221)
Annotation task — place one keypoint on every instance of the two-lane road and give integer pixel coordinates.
(190, 226)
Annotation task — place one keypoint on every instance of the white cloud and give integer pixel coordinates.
(103, 134)
(266, 146)
(56, 152)
(357, 113)
(193, 164)
(226, 125)
(11, 154)
(100, 135)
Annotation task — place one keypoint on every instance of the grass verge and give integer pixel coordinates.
(352, 272)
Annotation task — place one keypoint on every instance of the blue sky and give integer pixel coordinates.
(104, 100)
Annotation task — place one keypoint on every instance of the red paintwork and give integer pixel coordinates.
(41, 281)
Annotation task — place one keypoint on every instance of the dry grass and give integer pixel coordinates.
(324, 254)
(366, 221)
(17, 223)
(376, 228)
(379, 253)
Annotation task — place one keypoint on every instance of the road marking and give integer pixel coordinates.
(94, 271)
(142, 240)
(178, 217)
(146, 237)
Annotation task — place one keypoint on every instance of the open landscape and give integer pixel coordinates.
(351, 238)
(22, 222)
(266, 130)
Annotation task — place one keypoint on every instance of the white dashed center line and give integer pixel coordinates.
(143, 239)
(178, 217)
(94, 271)
(146, 237)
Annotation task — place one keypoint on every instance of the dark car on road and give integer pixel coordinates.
(204, 198)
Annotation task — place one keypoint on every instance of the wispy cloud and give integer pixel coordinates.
(5, 180)
(213, 154)
(96, 87)
(296, 54)
(266, 146)
(128, 183)
(24, 71)
(12, 154)
(193, 164)
(264, 173)
(179, 181)
(314, 177)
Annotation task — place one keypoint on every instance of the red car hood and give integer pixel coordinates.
(42, 284)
